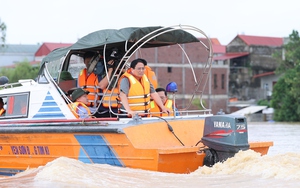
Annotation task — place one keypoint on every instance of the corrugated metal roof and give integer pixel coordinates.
(219, 49)
(216, 45)
(19, 48)
(213, 41)
(261, 41)
(249, 110)
(48, 47)
(53, 46)
(230, 56)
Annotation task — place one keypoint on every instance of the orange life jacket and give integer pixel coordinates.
(90, 83)
(139, 93)
(151, 76)
(2, 111)
(110, 98)
(74, 108)
(155, 108)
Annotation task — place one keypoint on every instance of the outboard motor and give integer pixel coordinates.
(225, 135)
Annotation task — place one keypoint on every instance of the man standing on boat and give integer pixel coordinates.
(136, 90)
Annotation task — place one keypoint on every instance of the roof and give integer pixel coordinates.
(214, 41)
(261, 41)
(48, 47)
(230, 56)
(249, 110)
(19, 48)
(264, 74)
(216, 45)
(219, 49)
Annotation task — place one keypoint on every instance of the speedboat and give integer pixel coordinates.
(39, 127)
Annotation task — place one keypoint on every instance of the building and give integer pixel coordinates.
(46, 48)
(10, 54)
(252, 67)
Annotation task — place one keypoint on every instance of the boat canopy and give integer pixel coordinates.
(119, 37)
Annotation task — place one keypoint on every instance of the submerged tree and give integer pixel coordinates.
(286, 92)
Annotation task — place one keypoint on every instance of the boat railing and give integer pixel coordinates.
(17, 84)
(200, 84)
(203, 78)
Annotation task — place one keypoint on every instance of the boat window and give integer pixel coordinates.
(76, 65)
(42, 78)
(54, 67)
(17, 105)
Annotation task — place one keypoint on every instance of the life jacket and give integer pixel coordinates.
(74, 108)
(90, 83)
(110, 98)
(2, 111)
(151, 76)
(139, 93)
(155, 108)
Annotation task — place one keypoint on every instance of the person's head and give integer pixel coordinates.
(80, 95)
(162, 94)
(69, 92)
(87, 57)
(138, 67)
(3, 80)
(65, 76)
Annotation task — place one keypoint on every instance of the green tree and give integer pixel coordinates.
(197, 104)
(291, 54)
(22, 70)
(2, 33)
(286, 92)
(283, 99)
(263, 102)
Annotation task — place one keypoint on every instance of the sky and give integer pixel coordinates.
(65, 21)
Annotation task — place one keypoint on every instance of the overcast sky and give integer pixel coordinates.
(38, 21)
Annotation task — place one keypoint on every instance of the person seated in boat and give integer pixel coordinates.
(79, 106)
(2, 110)
(69, 92)
(95, 84)
(68, 95)
(135, 91)
(168, 103)
(151, 75)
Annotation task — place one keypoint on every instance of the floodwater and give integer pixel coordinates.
(280, 168)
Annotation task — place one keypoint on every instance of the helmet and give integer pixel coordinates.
(171, 87)
(3, 80)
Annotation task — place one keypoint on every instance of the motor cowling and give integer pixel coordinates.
(225, 135)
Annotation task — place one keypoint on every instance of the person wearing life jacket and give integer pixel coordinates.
(135, 91)
(2, 110)
(89, 81)
(79, 107)
(95, 84)
(151, 76)
(168, 103)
